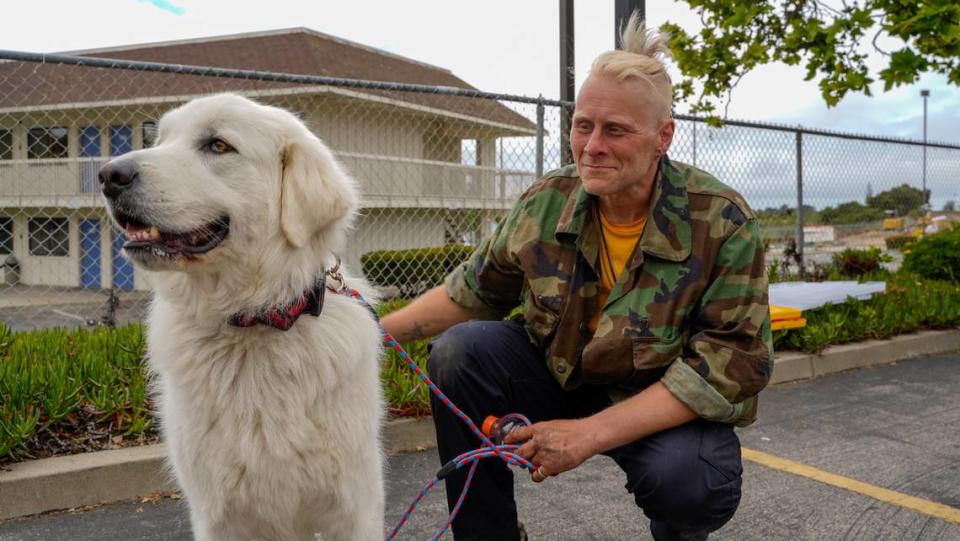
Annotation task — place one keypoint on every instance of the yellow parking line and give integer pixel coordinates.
(926, 507)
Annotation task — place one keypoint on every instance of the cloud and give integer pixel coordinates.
(165, 5)
(897, 113)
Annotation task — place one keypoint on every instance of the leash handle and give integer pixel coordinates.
(497, 428)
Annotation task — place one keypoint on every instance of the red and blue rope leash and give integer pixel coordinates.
(488, 448)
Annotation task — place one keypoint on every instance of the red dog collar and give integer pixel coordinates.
(283, 317)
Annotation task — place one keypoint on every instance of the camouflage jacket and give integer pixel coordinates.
(690, 308)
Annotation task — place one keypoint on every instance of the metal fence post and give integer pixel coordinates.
(800, 260)
(694, 141)
(540, 139)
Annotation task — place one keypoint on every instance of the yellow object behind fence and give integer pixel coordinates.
(893, 224)
(784, 317)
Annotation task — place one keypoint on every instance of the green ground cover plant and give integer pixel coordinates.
(68, 389)
(406, 395)
(911, 303)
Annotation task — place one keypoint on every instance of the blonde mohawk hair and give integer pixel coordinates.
(642, 56)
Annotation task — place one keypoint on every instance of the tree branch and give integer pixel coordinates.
(874, 41)
(726, 107)
(828, 8)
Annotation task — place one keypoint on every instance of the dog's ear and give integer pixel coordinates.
(314, 191)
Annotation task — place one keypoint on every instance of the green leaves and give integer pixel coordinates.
(905, 67)
(47, 376)
(831, 42)
(854, 262)
(936, 256)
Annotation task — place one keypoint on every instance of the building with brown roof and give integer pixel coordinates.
(424, 160)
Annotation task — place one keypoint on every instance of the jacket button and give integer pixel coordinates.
(560, 367)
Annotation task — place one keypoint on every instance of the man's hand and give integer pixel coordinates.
(559, 446)
(554, 446)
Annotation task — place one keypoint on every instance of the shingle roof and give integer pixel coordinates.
(297, 51)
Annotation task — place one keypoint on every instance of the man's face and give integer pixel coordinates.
(616, 134)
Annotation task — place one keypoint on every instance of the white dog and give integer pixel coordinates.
(272, 434)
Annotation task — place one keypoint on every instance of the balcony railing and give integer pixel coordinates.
(384, 180)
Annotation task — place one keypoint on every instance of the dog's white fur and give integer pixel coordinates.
(271, 434)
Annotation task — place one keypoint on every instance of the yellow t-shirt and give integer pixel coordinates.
(616, 247)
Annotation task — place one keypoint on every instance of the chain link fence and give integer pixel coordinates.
(437, 166)
(856, 191)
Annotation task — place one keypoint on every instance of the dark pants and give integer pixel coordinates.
(686, 479)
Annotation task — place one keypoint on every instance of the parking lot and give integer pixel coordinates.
(871, 453)
(24, 308)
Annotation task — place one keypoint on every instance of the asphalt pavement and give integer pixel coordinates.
(890, 427)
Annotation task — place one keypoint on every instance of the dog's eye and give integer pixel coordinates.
(219, 146)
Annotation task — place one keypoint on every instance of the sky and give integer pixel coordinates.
(495, 45)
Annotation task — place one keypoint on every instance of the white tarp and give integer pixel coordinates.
(807, 295)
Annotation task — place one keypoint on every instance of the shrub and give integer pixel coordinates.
(414, 270)
(855, 263)
(850, 213)
(936, 256)
(899, 242)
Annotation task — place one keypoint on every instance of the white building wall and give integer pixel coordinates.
(364, 141)
(46, 270)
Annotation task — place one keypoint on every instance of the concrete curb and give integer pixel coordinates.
(792, 366)
(50, 484)
(72, 481)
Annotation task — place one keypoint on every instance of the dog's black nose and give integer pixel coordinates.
(117, 176)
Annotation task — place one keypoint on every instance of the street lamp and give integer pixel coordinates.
(925, 94)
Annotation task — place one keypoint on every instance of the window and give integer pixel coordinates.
(468, 152)
(90, 142)
(6, 236)
(121, 139)
(149, 132)
(6, 145)
(44, 143)
(49, 236)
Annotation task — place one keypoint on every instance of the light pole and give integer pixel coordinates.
(925, 94)
(566, 77)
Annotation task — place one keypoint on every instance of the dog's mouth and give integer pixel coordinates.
(144, 238)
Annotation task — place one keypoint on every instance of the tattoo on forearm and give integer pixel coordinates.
(417, 332)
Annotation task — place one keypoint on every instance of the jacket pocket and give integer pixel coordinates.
(542, 314)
